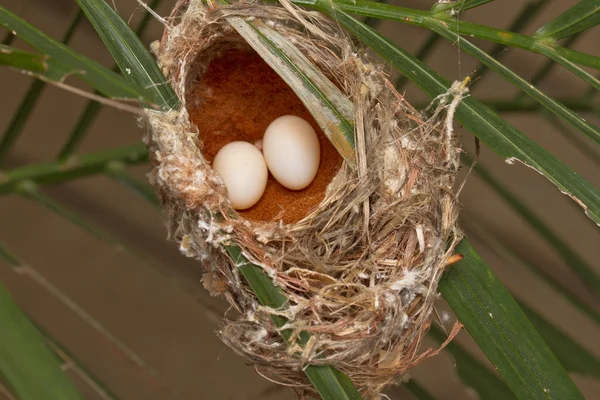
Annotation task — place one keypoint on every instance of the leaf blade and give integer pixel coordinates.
(27, 365)
(463, 28)
(29, 101)
(55, 172)
(129, 52)
(88, 115)
(502, 331)
(35, 64)
(581, 16)
(107, 82)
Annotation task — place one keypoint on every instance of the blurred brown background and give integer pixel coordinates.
(141, 321)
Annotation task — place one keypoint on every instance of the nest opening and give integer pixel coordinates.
(235, 97)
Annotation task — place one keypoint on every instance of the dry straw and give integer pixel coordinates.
(361, 269)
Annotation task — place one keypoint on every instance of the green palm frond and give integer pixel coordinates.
(104, 80)
(30, 369)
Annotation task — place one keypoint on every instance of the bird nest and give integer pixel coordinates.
(358, 254)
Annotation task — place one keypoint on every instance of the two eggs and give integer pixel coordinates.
(290, 151)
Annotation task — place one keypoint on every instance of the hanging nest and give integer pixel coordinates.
(359, 253)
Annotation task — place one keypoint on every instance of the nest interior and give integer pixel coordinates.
(361, 258)
(236, 97)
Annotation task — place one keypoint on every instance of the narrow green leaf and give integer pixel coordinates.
(129, 52)
(32, 63)
(463, 28)
(468, 4)
(474, 373)
(590, 92)
(502, 331)
(583, 15)
(527, 105)
(107, 82)
(331, 384)
(578, 265)
(27, 365)
(39, 64)
(20, 118)
(54, 172)
(571, 354)
(497, 133)
(93, 107)
(267, 293)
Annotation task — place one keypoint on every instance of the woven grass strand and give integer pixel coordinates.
(360, 271)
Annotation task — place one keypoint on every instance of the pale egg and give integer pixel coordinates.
(292, 151)
(242, 167)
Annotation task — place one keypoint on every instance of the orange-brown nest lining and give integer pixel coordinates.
(236, 98)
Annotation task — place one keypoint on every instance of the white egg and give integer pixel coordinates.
(292, 151)
(242, 167)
